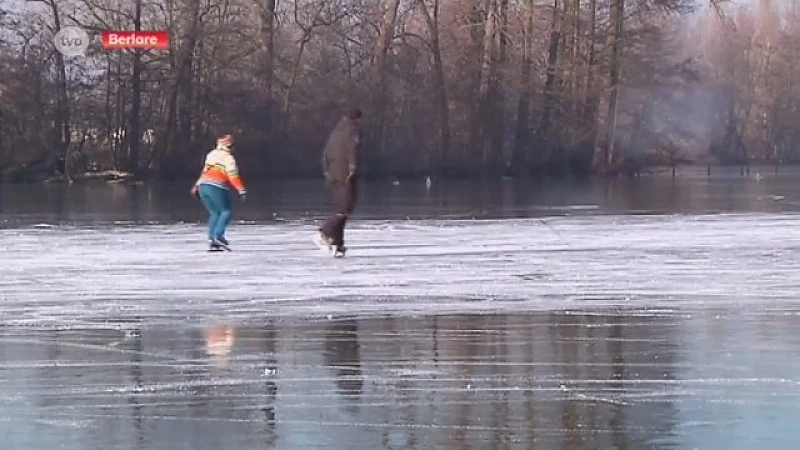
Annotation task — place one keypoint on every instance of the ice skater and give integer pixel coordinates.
(219, 174)
(340, 164)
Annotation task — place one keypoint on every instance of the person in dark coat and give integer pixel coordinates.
(340, 164)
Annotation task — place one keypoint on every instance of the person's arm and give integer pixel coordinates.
(353, 154)
(200, 177)
(325, 163)
(232, 170)
(196, 185)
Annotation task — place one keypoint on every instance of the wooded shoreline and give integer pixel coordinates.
(565, 88)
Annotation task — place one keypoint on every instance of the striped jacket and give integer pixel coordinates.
(220, 170)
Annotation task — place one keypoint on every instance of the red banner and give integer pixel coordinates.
(123, 40)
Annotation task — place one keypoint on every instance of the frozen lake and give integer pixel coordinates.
(83, 276)
(616, 316)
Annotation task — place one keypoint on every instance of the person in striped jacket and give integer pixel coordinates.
(220, 174)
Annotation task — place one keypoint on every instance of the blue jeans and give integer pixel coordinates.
(218, 203)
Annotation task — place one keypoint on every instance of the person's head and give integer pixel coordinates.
(355, 115)
(225, 142)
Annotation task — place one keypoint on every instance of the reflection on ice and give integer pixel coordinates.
(500, 381)
(219, 342)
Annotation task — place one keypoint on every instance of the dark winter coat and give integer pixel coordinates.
(341, 154)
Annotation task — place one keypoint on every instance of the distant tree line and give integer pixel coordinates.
(471, 87)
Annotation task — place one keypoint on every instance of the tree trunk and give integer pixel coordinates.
(519, 157)
(287, 101)
(572, 13)
(444, 110)
(178, 108)
(62, 117)
(483, 116)
(380, 67)
(268, 36)
(118, 129)
(550, 81)
(136, 100)
(493, 153)
(604, 157)
(590, 100)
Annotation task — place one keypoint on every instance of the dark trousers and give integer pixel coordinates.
(344, 200)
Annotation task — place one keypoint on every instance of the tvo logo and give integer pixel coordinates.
(71, 41)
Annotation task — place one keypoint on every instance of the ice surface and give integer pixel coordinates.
(590, 330)
(499, 381)
(83, 276)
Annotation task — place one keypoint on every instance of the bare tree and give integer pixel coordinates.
(432, 23)
(447, 86)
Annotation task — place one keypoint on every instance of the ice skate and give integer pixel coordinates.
(324, 243)
(339, 251)
(218, 245)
